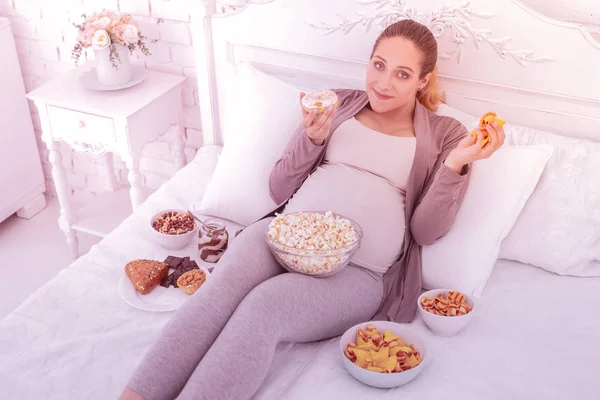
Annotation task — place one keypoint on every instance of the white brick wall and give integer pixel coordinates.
(183, 55)
(44, 50)
(174, 32)
(28, 8)
(159, 53)
(51, 30)
(100, 4)
(44, 37)
(176, 10)
(149, 28)
(135, 7)
(22, 28)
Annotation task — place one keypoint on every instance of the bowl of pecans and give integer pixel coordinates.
(446, 312)
(313, 243)
(173, 229)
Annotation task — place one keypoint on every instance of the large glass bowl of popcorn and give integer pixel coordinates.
(313, 243)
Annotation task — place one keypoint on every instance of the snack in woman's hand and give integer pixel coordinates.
(449, 304)
(486, 119)
(191, 281)
(381, 352)
(319, 100)
(146, 274)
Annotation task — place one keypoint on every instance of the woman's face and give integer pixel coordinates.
(393, 74)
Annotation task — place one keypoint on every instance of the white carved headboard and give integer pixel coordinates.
(494, 54)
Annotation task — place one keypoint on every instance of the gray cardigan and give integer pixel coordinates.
(433, 195)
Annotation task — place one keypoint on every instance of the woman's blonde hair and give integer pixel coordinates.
(430, 96)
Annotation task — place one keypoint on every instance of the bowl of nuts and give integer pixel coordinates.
(383, 354)
(313, 243)
(446, 312)
(173, 229)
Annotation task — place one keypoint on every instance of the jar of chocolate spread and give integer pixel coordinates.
(212, 240)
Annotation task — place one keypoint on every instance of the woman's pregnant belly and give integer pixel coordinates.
(371, 201)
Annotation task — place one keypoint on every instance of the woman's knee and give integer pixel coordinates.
(262, 305)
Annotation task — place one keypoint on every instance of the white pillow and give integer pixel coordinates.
(468, 120)
(559, 228)
(497, 192)
(268, 114)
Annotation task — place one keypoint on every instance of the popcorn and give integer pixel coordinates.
(315, 243)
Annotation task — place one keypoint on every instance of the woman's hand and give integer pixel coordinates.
(317, 127)
(469, 149)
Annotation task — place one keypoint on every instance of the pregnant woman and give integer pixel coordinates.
(382, 158)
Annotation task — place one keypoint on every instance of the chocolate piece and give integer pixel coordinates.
(169, 260)
(189, 265)
(167, 281)
(175, 275)
(179, 265)
(176, 262)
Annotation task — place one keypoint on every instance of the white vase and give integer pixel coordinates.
(106, 72)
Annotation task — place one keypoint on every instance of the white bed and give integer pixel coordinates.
(535, 334)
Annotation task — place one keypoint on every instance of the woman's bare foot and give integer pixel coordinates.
(130, 394)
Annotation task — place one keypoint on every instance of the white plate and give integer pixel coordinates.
(160, 299)
(89, 79)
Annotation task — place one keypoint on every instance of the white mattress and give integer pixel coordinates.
(535, 336)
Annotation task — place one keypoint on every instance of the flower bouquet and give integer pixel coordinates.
(112, 36)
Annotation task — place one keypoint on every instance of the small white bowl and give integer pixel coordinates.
(173, 242)
(442, 325)
(378, 379)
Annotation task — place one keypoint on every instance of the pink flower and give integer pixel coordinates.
(89, 27)
(102, 23)
(118, 34)
(84, 39)
(100, 29)
(131, 34)
(100, 40)
(85, 36)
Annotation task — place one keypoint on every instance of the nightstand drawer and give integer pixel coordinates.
(86, 132)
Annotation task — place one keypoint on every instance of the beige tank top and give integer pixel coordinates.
(363, 176)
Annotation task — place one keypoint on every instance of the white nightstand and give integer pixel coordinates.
(102, 123)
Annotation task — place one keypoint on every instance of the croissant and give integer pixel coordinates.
(486, 119)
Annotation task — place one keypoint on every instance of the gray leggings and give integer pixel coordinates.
(220, 344)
